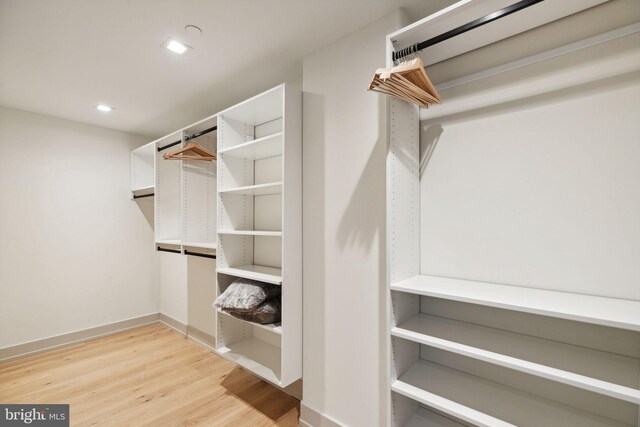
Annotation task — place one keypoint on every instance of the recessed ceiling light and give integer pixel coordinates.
(176, 46)
(103, 108)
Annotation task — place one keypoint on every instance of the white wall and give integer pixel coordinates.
(75, 251)
(344, 151)
(173, 286)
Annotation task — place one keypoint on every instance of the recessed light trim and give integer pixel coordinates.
(177, 47)
(104, 108)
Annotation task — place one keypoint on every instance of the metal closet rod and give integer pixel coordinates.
(143, 196)
(188, 137)
(505, 11)
(173, 251)
(199, 254)
(203, 132)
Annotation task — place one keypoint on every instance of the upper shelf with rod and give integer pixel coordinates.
(448, 33)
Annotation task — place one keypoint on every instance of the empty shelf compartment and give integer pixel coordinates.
(486, 402)
(259, 357)
(429, 330)
(276, 328)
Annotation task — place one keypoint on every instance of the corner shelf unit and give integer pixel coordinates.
(142, 171)
(465, 352)
(259, 227)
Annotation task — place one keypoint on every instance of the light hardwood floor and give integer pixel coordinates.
(150, 376)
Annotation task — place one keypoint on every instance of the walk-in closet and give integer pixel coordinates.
(355, 213)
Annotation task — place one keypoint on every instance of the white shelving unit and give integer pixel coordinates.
(142, 171)
(259, 227)
(465, 352)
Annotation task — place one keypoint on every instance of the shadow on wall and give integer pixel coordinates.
(429, 137)
(364, 222)
(146, 207)
(313, 213)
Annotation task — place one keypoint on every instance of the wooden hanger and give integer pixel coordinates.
(407, 81)
(201, 153)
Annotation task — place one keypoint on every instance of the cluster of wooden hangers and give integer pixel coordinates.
(197, 151)
(407, 80)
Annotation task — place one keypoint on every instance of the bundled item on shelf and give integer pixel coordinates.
(267, 312)
(251, 300)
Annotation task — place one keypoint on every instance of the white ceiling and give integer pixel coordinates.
(63, 57)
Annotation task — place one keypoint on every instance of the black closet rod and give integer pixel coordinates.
(173, 144)
(173, 251)
(523, 4)
(204, 132)
(144, 195)
(188, 137)
(199, 254)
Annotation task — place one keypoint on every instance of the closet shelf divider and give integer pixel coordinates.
(254, 272)
(258, 233)
(447, 406)
(261, 148)
(618, 313)
(255, 190)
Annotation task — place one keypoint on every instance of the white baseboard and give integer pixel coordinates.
(76, 337)
(202, 338)
(85, 335)
(174, 324)
(309, 417)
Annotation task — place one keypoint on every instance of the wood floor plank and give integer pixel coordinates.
(149, 376)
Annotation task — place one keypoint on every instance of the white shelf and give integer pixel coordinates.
(612, 312)
(276, 328)
(169, 242)
(262, 108)
(143, 191)
(255, 272)
(201, 245)
(252, 233)
(256, 355)
(416, 330)
(261, 148)
(447, 406)
(486, 401)
(421, 418)
(256, 190)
